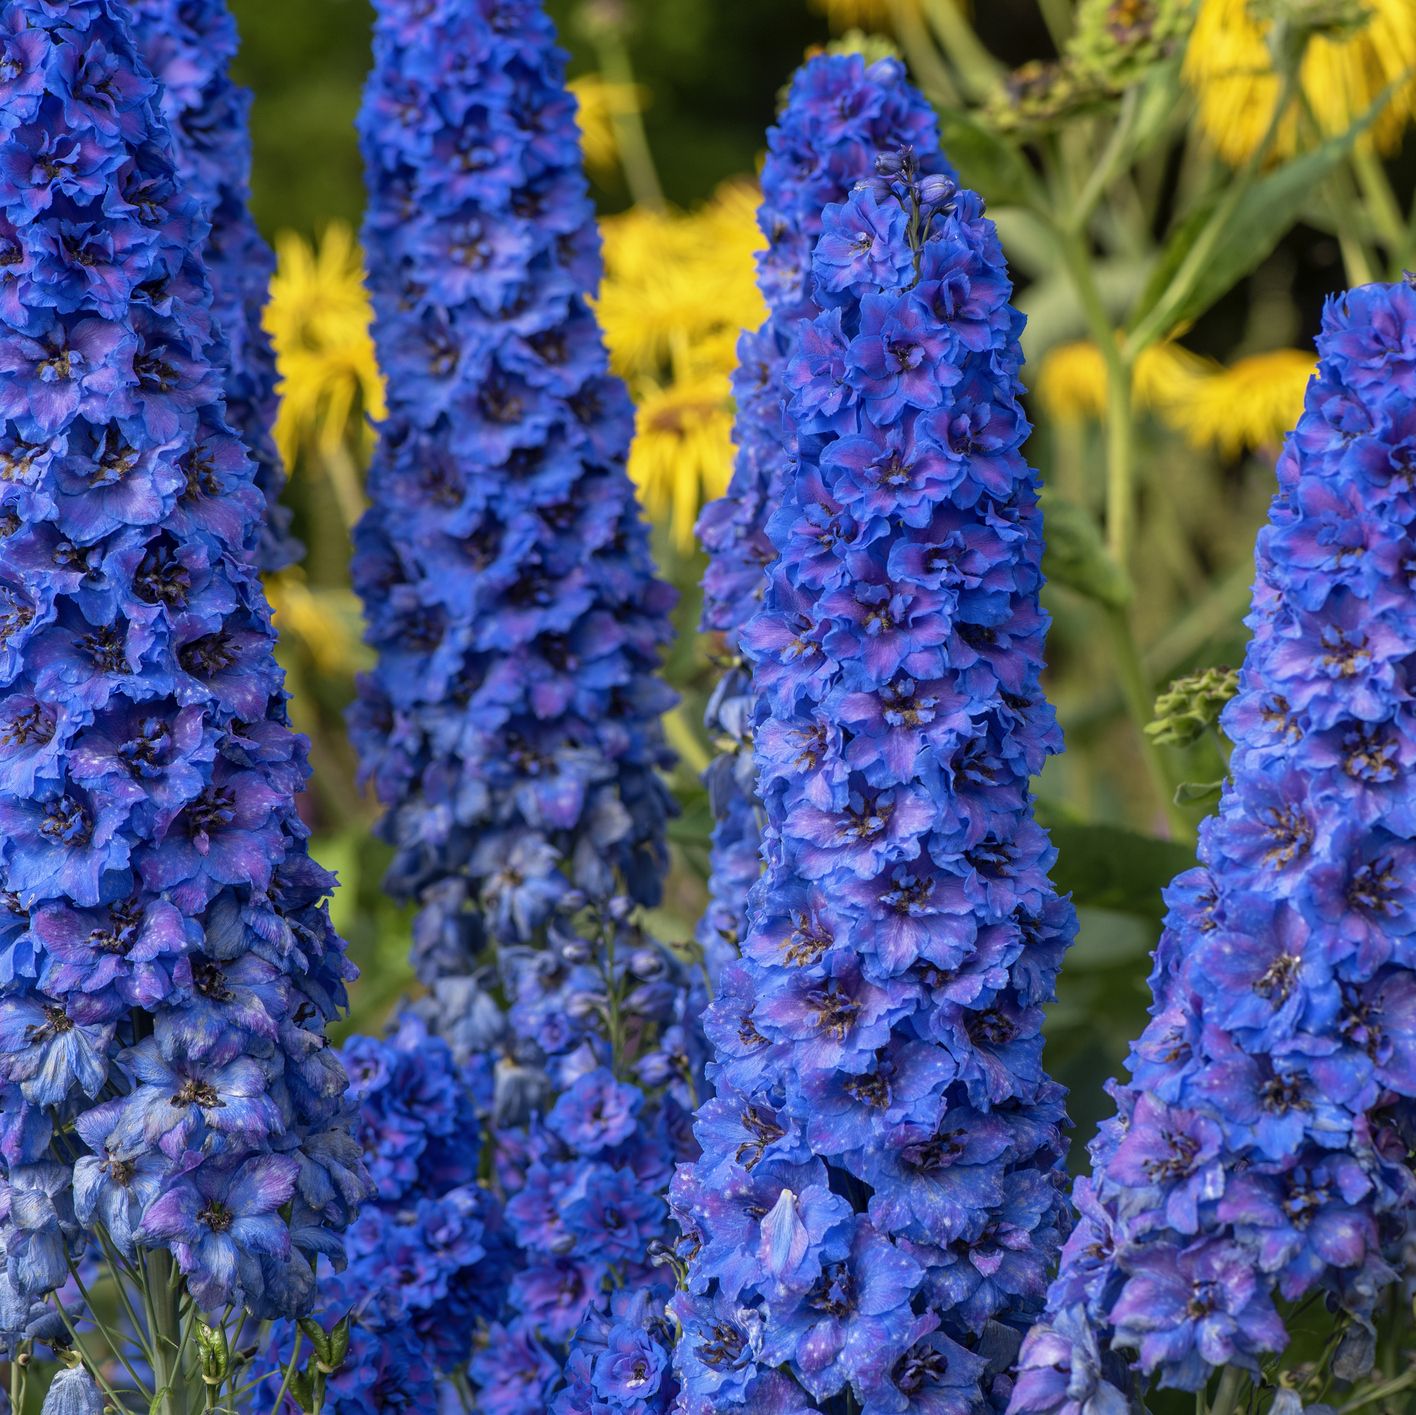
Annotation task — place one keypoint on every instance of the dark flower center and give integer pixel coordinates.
(216, 1216)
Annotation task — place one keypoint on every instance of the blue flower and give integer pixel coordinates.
(879, 1200)
(840, 111)
(188, 47)
(511, 723)
(167, 965)
(1256, 1154)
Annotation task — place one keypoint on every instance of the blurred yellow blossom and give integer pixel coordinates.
(683, 449)
(1251, 404)
(318, 319)
(1230, 67)
(600, 103)
(679, 288)
(1247, 405)
(324, 621)
(1071, 382)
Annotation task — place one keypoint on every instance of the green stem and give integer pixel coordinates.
(1381, 202)
(931, 71)
(1057, 16)
(113, 1343)
(978, 69)
(169, 1386)
(1226, 1396)
(1112, 161)
(636, 160)
(93, 1367)
(1138, 694)
(1158, 322)
(1380, 1392)
(288, 1377)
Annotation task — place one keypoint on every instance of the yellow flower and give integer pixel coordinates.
(679, 289)
(1230, 67)
(325, 621)
(600, 103)
(1071, 382)
(682, 454)
(1250, 405)
(318, 319)
(858, 14)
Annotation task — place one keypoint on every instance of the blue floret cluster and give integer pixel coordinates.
(511, 725)
(1260, 1153)
(426, 1255)
(187, 46)
(879, 1198)
(840, 112)
(167, 964)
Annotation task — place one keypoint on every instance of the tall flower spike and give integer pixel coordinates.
(879, 1200)
(840, 112)
(167, 965)
(1260, 1148)
(511, 723)
(188, 44)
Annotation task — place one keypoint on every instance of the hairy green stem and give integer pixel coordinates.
(162, 1294)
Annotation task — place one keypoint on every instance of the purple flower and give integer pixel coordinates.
(1252, 1157)
(880, 1031)
(840, 112)
(169, 969)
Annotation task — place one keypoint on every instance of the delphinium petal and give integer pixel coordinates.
(167, 963)
(840, 112)
(188, 45)
(1259, 1153)
(427, 1254)
(879, 1198)
(511, 725)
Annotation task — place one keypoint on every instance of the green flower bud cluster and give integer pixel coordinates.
(1190, 706)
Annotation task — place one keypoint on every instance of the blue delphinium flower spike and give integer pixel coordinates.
(188, 45)
(511, 723)
(167, 965)
(840, 112)
(1260, 1151)
(878, 1202)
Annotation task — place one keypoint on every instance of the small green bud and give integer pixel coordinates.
(214, 1353)
(1041, 95)
(871, 47)
(1117, 43)
(319, 1338)
(302, 1389)
(1190, 706)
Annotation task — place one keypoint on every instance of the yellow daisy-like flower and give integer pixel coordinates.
(325, 621)
(679, 289)
(1071, 382)
(682, 455)
(318, 319)
(600, 103)
(1229, 66)
(1249, 405)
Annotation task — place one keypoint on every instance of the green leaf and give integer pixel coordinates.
(1109, 867)
(1262, 216)
(986, 160)
(1193, 793)
(1076, 555)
